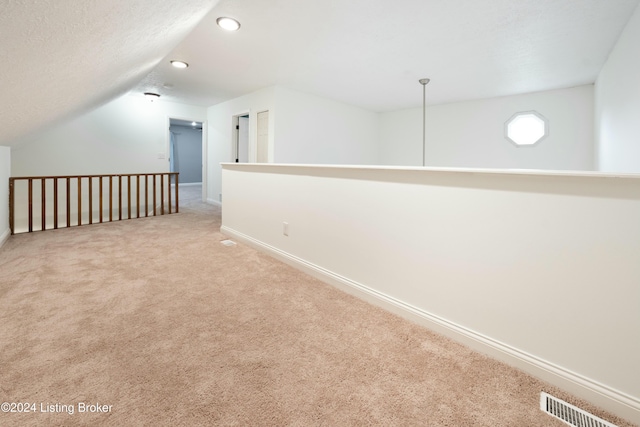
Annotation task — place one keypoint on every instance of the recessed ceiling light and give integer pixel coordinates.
(151, 96)
(179, 64)
(228, 24)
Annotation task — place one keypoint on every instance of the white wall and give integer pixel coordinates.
(303, 128)
(471, 134)
(617, 104)
(539, 270)
(5, 173)
(126, 135)
(220, 141)
(315, 130)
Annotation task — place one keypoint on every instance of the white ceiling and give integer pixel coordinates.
(60, 57)
(63, 57)
(371, 53)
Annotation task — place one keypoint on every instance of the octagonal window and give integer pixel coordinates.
(526, 129)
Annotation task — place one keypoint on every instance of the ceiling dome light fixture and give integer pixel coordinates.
(151, 96)
(228, 24)
(179, 64)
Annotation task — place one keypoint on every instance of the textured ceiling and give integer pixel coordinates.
(371, 53)
(61, 56)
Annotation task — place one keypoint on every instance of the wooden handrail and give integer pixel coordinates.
(86, 206)
(94, 176)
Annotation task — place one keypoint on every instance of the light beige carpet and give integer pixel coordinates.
(157, 319)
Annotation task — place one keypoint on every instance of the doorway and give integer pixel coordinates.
(243, 149)
(241, 138)
(187, 153)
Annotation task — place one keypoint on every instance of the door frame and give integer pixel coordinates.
(204, 147)
(235, 120)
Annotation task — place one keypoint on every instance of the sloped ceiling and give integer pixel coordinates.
(371, 53)
(60, 57)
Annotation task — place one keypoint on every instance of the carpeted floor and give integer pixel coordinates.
(158, 320)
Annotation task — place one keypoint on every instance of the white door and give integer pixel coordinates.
(263, 137)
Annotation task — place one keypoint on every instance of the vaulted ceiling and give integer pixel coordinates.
(371, 53)
(61, 57)
(64, 57)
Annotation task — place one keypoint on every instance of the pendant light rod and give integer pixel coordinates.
(424, 83)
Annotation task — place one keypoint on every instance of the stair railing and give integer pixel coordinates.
(75, 200)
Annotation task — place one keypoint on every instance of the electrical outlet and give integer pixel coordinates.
(160, 155)
(285, 228)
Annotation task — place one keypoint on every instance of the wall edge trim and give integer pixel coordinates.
(610, 399)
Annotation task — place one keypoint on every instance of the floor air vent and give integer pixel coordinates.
(570, 414)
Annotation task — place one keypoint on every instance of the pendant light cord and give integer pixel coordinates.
(424, 121)
(424, 82)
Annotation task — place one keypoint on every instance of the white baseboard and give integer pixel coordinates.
(214, 202)
(5, 236)
(614, 401)
(187, 184)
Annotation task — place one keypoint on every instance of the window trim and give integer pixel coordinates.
(523, 113)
